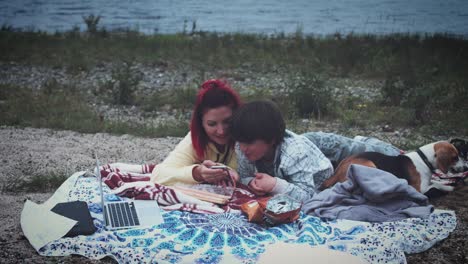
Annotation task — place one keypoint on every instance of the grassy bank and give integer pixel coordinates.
(364, 55)
(67, 108)
(424, 78)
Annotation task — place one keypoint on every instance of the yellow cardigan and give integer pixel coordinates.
(178, 166)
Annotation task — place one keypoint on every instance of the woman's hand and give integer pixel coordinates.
(203, 173)
(234, 175)
(262, 184)
(231, 180)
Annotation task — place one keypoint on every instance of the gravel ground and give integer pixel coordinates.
(34, 152)
(31, 152)
(27, 153)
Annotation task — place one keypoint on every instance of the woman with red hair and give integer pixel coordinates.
(207, 144)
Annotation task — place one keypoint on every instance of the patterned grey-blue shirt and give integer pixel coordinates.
(299, 166)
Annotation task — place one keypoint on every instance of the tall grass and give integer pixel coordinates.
(182, 98)
(62, 107)
(121, 88)
(38, 183)
(368, 55)
(424, 76)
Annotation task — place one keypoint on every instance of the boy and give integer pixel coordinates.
(273, 160)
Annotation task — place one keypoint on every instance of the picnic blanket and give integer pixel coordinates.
(133, 181)
(227, 237)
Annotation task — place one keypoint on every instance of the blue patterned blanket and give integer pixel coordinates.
(186, 237)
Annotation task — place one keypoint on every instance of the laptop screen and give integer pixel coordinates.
(101, 193)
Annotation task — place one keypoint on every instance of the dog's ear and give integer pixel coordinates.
(461, 145)
(446, 155)
(457, 142)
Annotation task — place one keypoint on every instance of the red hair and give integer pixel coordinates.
(212, 94)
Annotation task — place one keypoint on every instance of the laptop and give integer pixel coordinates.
(128, 213)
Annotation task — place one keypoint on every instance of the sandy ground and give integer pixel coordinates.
(36, 152)
(33, 152)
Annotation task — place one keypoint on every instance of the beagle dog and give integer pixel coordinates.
(416, 167)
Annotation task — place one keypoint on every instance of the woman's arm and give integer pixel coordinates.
(183, 166)
(178, 166)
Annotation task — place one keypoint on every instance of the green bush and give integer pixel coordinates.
(256, 93)
(183, 98)
(54, 106)
(61, 107)
(311, 96)
(442, 105)
(36, 183)
(177, 128)
(178, 98)
(91, 22)
(120, 90)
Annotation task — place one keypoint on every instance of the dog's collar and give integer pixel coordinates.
(426, 161)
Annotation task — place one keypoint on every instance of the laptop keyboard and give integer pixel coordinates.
(122, 214)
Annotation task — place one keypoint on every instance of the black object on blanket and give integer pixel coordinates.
(78, 211)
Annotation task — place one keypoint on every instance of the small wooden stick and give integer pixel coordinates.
(200, 192)
(205, 197)
(202, 195)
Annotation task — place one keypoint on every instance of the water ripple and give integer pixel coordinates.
(260, 16)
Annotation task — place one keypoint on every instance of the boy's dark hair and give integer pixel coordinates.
(256, 120)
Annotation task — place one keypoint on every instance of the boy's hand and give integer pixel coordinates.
(262, 184)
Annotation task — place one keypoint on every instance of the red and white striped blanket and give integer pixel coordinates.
(450, 179)
(133, 181)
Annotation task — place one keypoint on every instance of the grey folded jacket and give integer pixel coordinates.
(370, 195)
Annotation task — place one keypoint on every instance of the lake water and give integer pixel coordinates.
(248, 16)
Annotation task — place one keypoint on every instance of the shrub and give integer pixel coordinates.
(256, 93)
(121, 88)
(91, 22)
(178, 128)
(442, 105)
(183, 97)
(178, 98)
(54, 106)
(310, 95)
(36, 183)
(60, 107)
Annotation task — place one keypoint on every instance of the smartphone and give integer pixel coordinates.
(219, 167)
